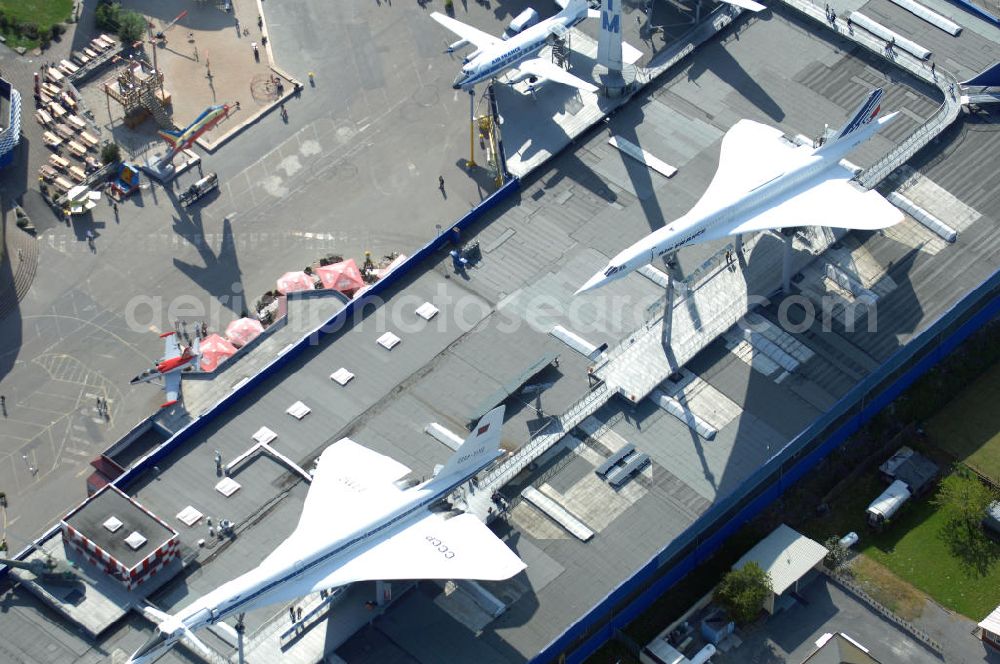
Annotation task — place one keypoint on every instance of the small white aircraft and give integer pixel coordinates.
(359, 524)
(765, 183)
(494, 55)
(168, 369)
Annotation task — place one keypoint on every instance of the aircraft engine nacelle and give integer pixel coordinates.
(471, 56)
(534, 81)
(461, 43)
(521, 22)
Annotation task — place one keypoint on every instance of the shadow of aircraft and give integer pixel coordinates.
(714, 57)
(221, 271)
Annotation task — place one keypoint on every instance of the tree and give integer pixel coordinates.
(108, 16)
(132, 28)
(110, 153)
(836, 554)
(963, 499)
(742, 592)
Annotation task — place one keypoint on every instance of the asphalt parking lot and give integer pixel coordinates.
(790, 636)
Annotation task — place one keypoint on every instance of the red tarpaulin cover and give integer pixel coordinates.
(344, 276)
(214, 349)
(243, 330)
(295, 281)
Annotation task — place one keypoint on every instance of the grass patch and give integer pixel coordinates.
(911, 547)
(42, 13)
(888, 589)
(968, 427)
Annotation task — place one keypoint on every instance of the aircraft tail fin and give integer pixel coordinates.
(172, 137)
(576, 7)
(481, 447)
(863, 116)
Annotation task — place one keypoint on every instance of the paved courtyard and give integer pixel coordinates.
(790, 636)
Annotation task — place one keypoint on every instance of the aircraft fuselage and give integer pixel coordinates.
(492, 61)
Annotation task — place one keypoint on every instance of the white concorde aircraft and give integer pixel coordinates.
(764, 183)
(357, 524)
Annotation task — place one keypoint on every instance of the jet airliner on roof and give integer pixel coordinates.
(764, 183)
(357, 524)
(494, 55)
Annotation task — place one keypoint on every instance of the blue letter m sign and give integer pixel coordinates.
(611, 24)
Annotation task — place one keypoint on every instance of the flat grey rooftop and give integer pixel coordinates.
(493, 325)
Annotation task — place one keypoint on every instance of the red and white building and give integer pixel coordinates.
(121, 537)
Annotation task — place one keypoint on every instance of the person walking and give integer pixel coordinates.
(441, 182)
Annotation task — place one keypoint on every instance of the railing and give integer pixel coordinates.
(944, 116)
(506, 470)
(717, 20)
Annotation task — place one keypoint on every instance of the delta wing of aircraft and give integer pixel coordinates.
(765, 183)
(359, 523)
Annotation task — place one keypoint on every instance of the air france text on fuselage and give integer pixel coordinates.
(680, 243)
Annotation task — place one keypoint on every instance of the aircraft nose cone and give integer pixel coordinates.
(592, 283)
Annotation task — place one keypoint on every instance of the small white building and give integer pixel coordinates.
(990, 629)
(787, 556)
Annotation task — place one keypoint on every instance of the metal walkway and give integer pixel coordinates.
(480, 500)
(946, 82)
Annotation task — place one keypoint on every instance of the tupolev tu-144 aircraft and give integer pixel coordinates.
(765, 183)
(358, 524)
